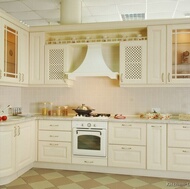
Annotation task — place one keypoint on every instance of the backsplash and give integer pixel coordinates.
(102, 94)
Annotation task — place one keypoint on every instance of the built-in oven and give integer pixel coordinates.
(89, 138)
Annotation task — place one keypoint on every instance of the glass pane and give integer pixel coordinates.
(10, 52)
(180, 54)
(89, 142)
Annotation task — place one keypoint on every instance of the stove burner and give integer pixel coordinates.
(93, 115)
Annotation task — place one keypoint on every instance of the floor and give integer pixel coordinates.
(60, 179)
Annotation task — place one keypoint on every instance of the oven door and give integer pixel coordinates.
(89, 142)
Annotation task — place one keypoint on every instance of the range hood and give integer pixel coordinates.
(93, 64)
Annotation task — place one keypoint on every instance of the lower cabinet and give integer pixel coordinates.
(178, 147)
(54, 141)
(127, 156)
(156, 146)
(17, 147)
(127, 145)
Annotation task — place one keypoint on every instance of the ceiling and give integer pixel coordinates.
(47, 12)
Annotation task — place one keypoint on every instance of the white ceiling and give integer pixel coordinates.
(47, 12)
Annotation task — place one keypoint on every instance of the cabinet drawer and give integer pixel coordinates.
(54, 125)
(55, 135)
(57, 152)
(178, 135)
(127, 133)
(89, 161)
(179, 159)
(127, 156)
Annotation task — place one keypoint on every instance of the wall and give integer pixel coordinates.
(102, 94)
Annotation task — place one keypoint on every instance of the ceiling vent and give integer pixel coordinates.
(134, 16)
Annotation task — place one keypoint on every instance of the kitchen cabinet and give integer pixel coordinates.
(17, 147)
(55, 63)
(156, 146)
(178, 47)
(37, 43)
(14, 60)
(178, 147)
(127, 145)
(54, 144)
(133, 62)
(157, 73)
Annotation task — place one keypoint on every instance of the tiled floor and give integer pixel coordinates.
(60, 179)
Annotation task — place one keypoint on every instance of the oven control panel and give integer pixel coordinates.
(89, 124)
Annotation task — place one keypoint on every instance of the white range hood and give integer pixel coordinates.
(93, 65)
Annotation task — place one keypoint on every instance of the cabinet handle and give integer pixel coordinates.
(121, 78)
(162, 77)
(126, 148)
(126, 125)
(88, 162)
(15, 131)
(168, 77)
(18, 131)
(53, 136)
(51, 144)
(22, 77)
(186, 127)
(0, 73)
(156, 126)
(54, 125)
(19, 77)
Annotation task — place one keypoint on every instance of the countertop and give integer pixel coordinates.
(12, 120)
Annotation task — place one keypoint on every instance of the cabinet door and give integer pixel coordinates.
(133, 55)
(178, 135)
(57, 152)
(178, 59)
(179, 159)
(156, 146)
(37, 43)
(156, 54)
(25, 144)
(127, 133)
(9, 64)
(23, 56)
(7, 150)
(55, 61)
(127, 156)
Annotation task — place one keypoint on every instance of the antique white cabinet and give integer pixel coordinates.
(133, 62)
(37, 42)
(157, 73)
(54, 144)
(156, 146)
(127, 145)
(17, 147)
(178, 147)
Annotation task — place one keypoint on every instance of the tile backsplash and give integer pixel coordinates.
(102, 94)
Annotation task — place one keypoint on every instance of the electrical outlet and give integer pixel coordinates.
(157, 110)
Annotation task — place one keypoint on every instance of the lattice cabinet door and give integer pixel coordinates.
(133, 57)
(55, 62)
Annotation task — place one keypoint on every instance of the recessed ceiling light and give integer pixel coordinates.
(134, 16)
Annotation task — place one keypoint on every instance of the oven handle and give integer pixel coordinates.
(89, 131)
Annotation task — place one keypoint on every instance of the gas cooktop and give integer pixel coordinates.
(93, 115)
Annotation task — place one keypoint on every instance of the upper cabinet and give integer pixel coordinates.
(133, 62)
(178, 60)
(14, 60)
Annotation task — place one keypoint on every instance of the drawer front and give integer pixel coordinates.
(178, 159)
(55, 135)
(127, 133)
(89, 161)
(178, 135)
(57, 152)
(55, 125)
(127, 156)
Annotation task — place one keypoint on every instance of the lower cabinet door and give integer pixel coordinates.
(127, 156)
(55, 152)
(179, 159)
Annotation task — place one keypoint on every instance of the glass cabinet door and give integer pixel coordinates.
(180, 54)
(10, 52)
